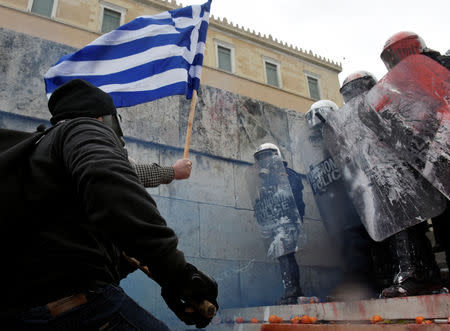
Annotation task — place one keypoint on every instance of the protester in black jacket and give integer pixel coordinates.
(87, 207)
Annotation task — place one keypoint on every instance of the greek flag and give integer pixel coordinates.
(146, 59)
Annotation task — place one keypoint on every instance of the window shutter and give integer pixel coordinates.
(111, 20)
(272, 74)
(224, 55)
(313, 88)
(42, 7)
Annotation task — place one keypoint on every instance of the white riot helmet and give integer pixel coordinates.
(319, 111)
(268, 146)
(266, 156)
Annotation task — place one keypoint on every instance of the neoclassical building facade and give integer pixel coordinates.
(236, 59)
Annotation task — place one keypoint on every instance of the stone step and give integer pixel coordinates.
(333, 327)
(354, 315)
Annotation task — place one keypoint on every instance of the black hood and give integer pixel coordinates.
(79, 98)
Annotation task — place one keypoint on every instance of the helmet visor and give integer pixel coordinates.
(396, 52)
(356, 87)
(317, 116)
(390, 58)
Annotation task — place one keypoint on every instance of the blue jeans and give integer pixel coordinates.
(107, 308)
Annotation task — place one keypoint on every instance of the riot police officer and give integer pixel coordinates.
(280, 215)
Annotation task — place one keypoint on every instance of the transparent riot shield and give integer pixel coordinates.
(409, 109)
(335, 207)
(274, 205)
(387, 192)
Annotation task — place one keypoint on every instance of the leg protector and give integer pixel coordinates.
(290, 276)
(416, 271)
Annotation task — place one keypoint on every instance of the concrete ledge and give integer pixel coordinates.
(428, 306)
(353, 327)
(328, 327)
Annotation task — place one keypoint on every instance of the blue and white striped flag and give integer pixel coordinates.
(146, 59)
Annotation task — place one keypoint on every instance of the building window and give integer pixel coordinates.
(43, 7)
(225, 56)
(111, 20)
(112, 17)
(313, 85)
(272, 71)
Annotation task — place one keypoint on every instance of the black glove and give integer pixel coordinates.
(127, 265)
(191, 289)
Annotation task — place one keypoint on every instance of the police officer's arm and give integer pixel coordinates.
(114, 200)
(296, 184)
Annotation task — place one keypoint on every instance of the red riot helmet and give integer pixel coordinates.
(356, 84)
(400, 46)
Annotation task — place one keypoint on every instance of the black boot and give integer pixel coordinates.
(416, 269)
(383, 266)
(290, 275)
(441, 230)
(357, 269)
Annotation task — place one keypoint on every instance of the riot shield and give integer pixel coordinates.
(274, 205)
(387, 192)
(335, 207)
(409, 108)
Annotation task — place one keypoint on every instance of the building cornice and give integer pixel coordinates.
(269, 41)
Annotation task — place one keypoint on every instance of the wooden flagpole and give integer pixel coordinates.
(190, 121)
(191, 118)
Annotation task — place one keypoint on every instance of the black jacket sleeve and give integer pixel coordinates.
(114, 201)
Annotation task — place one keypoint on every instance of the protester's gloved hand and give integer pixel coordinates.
(184, 296)
(127, 265)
